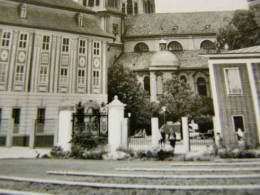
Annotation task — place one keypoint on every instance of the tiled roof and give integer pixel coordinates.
(62, 4)
(142, 61)
(176, 23)
(50, 19)
(254, 49)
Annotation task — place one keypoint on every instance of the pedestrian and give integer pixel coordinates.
(172, 138)
(163, 136)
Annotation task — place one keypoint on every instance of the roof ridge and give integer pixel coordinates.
(58, 4)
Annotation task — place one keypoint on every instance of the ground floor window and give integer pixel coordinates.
(16, 114)
(238, 123)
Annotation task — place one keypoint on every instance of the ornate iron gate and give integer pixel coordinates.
(92, 124)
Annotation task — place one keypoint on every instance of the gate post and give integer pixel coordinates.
(155, 132)
(65, 129)
(186, 136)
(115, 124)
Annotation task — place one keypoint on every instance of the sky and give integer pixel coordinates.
(163, 6)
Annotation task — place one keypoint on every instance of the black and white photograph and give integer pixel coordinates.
(129, 97)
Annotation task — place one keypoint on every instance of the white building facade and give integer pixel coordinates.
(51, 57)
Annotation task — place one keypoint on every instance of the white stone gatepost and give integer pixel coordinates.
(185, 133)
(155, 132)
(64, 134)
(116, 121)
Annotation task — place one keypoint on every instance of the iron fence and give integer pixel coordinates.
(93, 124)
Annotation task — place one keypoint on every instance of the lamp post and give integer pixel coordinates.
(129, 125)
(164, 114)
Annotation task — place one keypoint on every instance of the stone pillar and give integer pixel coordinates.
(216, 128)
(186, 136)
(124, 135)
(155, 132)
(153, 87)
(32, 135)
(65, 129)
(9, 135)
(115, 121)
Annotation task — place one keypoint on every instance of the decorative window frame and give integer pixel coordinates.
(97, 48)
(20, 73)
(65, 46)
(46, 45)
(96, 78)
(22, 42)
(5, 40)
(83, 49)
(63, 78)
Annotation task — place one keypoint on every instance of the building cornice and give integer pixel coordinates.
(57, 30)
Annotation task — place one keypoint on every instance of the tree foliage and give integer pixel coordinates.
(179, 99)
(240, 32)
(123, 82)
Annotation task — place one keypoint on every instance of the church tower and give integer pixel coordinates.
(127, 7)
(135, 7)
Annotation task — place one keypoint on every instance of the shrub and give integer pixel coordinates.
(57, 152)
(236, 153)
(155, 155)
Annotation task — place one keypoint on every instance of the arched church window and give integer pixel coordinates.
(183, 79)
(147, 84)
(136, 8)
(129, 7)
(141, 47)
(202, 86)
(175, 46)
(91, 3)
(159, 85)
(123, 8)
(207, 46)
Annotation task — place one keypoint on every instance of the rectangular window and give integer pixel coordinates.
(123, 8)
(82, 46)
(96, 78)
(233, 81)
(16, 112)
(238, 123)
(43, 74)
(16, 115)
(19, 73)
(96, 48)
(115, 29)
(97, 2)
(6, 37)
(45, 43)
(3, 73)
(40, 120)
(41, 115)
(63, 75)
(23, 41)
(81, 77)
(65, 45)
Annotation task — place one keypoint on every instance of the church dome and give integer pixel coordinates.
(164, 58)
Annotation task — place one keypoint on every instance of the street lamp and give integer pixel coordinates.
(164, 114)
